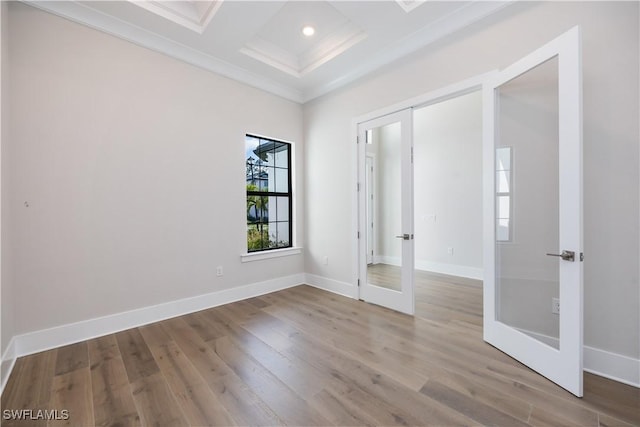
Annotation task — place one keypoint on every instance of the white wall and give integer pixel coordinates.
(447, 140)
(6, 297)
(132, 164)
(611, 135)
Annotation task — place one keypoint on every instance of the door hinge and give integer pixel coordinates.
(358, 234)
(358, 186)
(411, 155)
(358, 282)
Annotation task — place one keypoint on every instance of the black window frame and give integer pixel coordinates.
(267, 194)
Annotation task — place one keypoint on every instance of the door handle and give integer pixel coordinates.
(566, 255)
(405, 237)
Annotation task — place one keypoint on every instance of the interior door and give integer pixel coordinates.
(532, 162)
(388, 279)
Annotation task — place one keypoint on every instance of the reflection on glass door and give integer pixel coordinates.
(386, 265)
(387, 212)
(527, 209)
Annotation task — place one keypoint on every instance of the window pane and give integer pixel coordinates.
(257, 237)
(281, 155)
(503, 181)
(503, 207)
(281, 181)
(502, 230)
(282, 208)
(279, 234)
(503, 158)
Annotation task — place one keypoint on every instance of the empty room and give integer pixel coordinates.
(316, 213)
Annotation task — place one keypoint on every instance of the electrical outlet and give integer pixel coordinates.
(450, 251)
(325, 260)
(555, 305)
(219, 271)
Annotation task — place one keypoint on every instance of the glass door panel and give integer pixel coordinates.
(386, 206)
(527, 204)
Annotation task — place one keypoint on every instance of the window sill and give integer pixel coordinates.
(275, 253)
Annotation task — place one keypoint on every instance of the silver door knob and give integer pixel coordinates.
(403, 237)
(566, 255)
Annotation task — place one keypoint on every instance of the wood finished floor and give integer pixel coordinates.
(302, 357)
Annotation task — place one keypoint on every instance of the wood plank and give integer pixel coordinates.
(155, 402)
(506, 403)
(247, 408)
(208, 331)
(138, 360)
(112, 397)
(29, 386)
(290, 407)
(199, 404)
(474, 409)
(72, 357)
(72, 392)
(302, 381)
(397, 401)
(613, 397)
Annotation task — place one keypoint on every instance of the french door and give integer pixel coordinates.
(532, 162)
(386, 275)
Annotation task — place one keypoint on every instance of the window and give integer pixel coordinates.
(504, 194)
(269, 201)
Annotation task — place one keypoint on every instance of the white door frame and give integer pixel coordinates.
(563, 366)
(434, 97)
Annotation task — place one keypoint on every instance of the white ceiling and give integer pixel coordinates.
(260, 42)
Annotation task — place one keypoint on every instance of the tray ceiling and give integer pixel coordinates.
(261, 42)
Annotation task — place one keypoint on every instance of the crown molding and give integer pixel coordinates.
(194, 15)
(452, 22)
(92, 18)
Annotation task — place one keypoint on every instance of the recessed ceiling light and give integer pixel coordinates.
(308, 30)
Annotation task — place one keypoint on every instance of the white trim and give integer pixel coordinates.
(92, 18)
(614, 366)
(335, 286)
(7, 363)
(275, 253)
(46, 339)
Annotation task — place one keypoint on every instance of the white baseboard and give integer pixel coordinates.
(603, 363)
(435, 267)
(331, 285)
(8, 361)
(614, 366)
(46, 339)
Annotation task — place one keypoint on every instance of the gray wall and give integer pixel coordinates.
(6, 298)
(132, 164)
(611, 135)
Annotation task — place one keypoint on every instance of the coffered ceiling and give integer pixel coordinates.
(261, 42)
